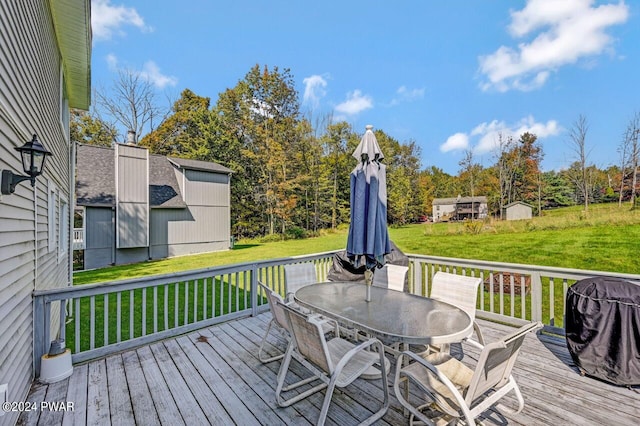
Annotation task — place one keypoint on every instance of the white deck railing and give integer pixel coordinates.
(78, 239)
(105, 318)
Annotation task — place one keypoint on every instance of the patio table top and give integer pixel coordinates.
(391, 316)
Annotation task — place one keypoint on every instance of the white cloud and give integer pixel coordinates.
(459, 141)
(356, 102)
(314, 90)
(407, 95)
(489, 133)
(567, 31)
(112, 62)
(151, 73)
(108, 20)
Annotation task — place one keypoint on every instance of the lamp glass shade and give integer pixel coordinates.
(33, 156)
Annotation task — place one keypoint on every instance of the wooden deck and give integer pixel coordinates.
(214, 377)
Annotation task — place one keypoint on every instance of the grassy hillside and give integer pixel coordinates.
(607, 239)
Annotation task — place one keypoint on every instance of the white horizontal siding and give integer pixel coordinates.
(29, 103)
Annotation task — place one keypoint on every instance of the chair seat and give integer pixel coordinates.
(459, 374)
(373, 372)
(338, 347)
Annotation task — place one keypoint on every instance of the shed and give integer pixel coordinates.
(517, 210)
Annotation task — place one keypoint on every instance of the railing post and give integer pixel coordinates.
(38, 332)
(254, 290)
(536, 296)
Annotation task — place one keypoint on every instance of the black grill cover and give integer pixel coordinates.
(343, 270)
(603, 329)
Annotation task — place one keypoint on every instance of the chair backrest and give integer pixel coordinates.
(496, 362)
(306, 332)
(459, 290)
(299, 275)
(391, 276)
(275, 306)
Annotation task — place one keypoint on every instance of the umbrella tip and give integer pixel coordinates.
(369, 127)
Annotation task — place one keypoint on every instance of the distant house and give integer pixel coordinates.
(46, 58)
(459, 208)
(517, 210)
(138, 206)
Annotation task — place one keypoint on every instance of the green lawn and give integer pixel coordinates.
(608, 239)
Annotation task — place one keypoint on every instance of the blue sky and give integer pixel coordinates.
(448, 75)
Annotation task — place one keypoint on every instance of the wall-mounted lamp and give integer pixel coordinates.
(33, 155)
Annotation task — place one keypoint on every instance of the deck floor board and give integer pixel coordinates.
(213, 376)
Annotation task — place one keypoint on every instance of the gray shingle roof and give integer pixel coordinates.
(199, 165)
(95, 182)
(163, 185)
(95, 177)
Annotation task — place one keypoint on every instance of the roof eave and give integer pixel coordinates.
(72, 23)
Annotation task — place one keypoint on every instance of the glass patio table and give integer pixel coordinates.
(391, 316)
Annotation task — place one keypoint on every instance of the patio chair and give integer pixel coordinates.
(279, 323)
(453, 390)
(299, 275)
(391, 276)
(335, 362)
(461, 291)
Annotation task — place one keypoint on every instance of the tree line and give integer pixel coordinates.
(291, 171)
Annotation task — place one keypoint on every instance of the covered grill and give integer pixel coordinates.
(603, 329)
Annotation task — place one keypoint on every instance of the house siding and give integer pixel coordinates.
(30, 102)
(132, 197)
(99, 237)
(203, 227)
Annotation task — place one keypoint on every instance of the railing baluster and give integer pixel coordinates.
(237, 289)
(491, 291)
(523, 296)
(132, 299)
(229, 296)
(482, 290)
(205, 284)
(144, 311)
(176, 307)
(221, 294)
(76, 321)
(166, 306)
(213, 297)
(155, 309)
(195, 300)
(501, 292)
(513, 294)
(92, 322)
(118, 317)
(244, 287)
(105, 318)
(552, 312)
(186, 302)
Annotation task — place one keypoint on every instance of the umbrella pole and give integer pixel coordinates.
(368, 279)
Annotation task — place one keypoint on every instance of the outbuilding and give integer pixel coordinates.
(137, 206)
(517, 210)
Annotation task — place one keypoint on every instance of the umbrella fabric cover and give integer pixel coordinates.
(368, 239)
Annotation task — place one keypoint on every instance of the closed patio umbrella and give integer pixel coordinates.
(368, 239)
